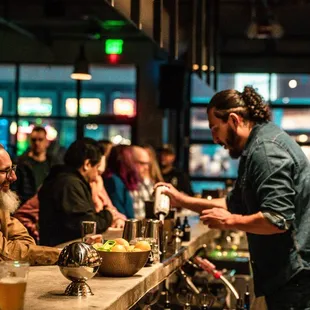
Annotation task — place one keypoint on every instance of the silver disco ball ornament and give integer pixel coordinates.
(79, 262)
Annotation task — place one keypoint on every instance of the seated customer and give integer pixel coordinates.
(15, 242)
(28, 215)
(66, 197)
(121, 178)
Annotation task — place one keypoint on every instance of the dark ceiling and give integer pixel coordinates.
(42, 23)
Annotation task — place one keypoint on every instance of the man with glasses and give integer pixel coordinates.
(15, 242)
(34, 165)
(145, 186)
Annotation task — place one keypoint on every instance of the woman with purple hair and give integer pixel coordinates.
(120, 178)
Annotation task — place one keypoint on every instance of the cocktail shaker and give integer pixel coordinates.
(132, 229)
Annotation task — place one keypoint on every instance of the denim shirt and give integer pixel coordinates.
(274, 178)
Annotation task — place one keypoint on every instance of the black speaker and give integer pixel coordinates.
(173, 86)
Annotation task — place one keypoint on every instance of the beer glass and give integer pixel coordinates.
(88, 230)
(13, 278)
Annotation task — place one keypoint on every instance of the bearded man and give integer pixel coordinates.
(15, 242)
(270, 200)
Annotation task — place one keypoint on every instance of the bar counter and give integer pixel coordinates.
(46, 285)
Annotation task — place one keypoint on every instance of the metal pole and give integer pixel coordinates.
(174, 31)
(200, 33)
(193, 39)
(79, 125)
(209, 41)
(216, 36)
(135, 13)
(16, 88)
(158, 22)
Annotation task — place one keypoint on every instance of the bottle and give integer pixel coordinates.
(186, 230)
(239, 305)
(177, 235)
(178, 223)
(161, 203)
(205, 305)
(167, 305)
(247, 299)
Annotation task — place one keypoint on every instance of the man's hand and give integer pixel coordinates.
(218, 218)
(177, 199)
(94, 239)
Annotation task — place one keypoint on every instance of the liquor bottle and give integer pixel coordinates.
(247, 299)
(240, 304)
(167, 305)
(178, 223)
(161, 203)
(186, 230)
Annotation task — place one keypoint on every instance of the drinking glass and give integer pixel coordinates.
(88, 230)
(13, 279)
(132, 229)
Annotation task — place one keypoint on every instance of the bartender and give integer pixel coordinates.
(270, 200)
(15, 242)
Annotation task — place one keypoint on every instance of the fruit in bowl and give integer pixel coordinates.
(119, 259)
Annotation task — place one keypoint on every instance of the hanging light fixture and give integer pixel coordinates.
(81, 69)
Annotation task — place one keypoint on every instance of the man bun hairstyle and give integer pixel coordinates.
(249, 104)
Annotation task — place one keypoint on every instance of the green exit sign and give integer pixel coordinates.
(114, 46)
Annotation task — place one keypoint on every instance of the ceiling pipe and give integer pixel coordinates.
(17, 29)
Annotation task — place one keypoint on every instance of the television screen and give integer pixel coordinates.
(211, 160)
(200, 186)
(200, 124)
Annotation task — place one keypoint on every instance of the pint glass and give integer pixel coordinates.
(88, 230)
(13, 278)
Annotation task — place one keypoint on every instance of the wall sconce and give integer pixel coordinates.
(81, 69)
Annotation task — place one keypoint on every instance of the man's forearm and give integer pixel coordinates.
(255, 224)
(200, 204)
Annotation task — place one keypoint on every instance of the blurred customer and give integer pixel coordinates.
(179, 179)
(107, 145)
(15, 242)
(56, 151)
(154, 169)
(34, 165)
(66, 198)
(28, 215)
(101, 198)
(120, 178)
(145, 185)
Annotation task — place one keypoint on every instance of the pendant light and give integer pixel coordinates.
(81, 68)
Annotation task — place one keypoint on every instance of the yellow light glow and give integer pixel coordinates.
(195, 67)
(204, 68)
(80, 76)
(302, 138)
(88, 106)
(122, 106)
(13, 128)
(51, 133)
(292, 83)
